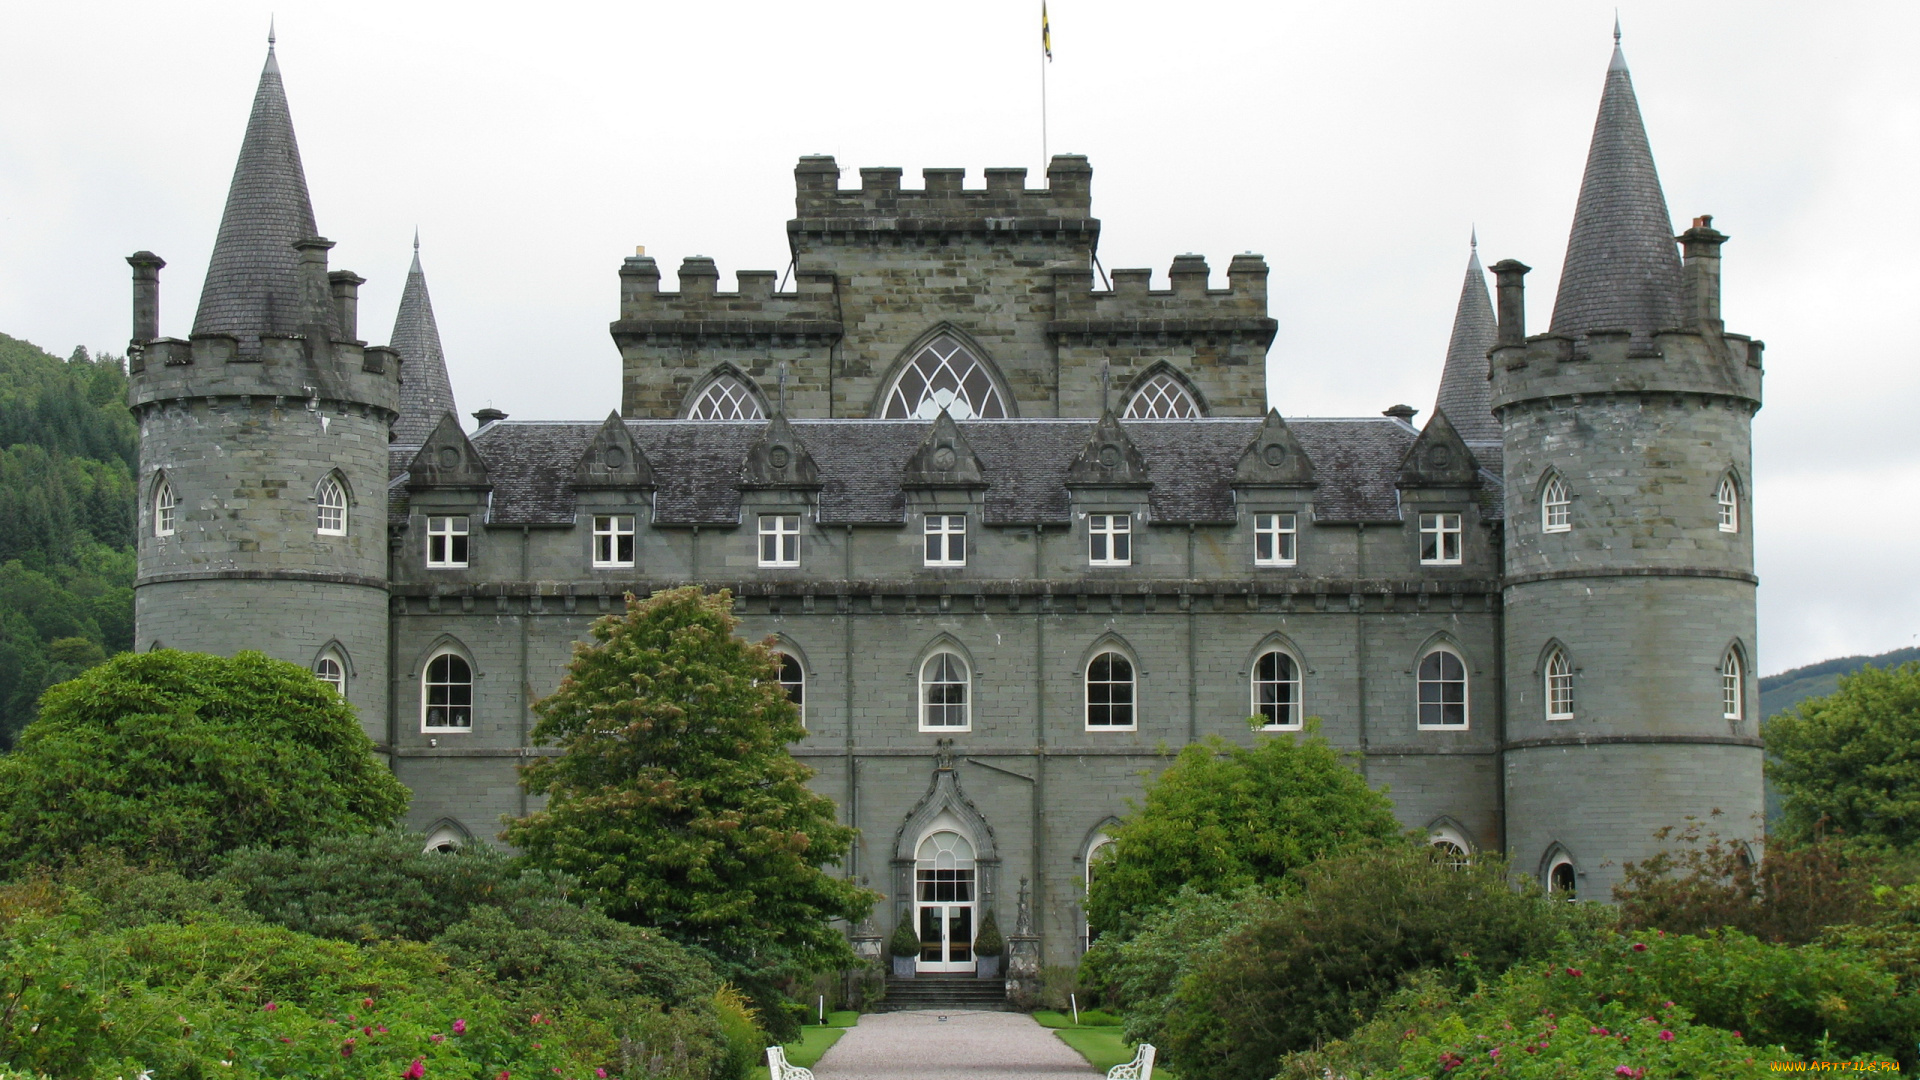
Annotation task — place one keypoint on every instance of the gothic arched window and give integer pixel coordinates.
(1443, 690)
(330, 502)
(1162, 398)
(1556, 507)
(943, 693)
(1727, 499)
(1110, 691)
(165, 515)
(447, 703)
(1559, 686)
(328, 669)
(725, 398)
(1276, 689)
(793, 679)
(944, 374)
(1733, 687)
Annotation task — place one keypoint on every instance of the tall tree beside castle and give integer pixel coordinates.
(1013, 533)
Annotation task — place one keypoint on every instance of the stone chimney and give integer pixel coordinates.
(1510, 276)
(1700, 273)
(316, 293)
(146, 294)
(346, 302)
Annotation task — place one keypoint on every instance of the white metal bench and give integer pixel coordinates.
(778, 1069)
(1140, 1068)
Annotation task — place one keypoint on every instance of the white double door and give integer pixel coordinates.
(946, 937)
(944, 895)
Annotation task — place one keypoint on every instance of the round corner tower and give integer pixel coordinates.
(1629, 590)
(263, 442)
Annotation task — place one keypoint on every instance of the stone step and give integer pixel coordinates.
(935, 992)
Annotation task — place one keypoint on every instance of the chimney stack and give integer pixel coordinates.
(316, 293)
(1701, 272)
(346, 302)
(146, 294)
(1510, 281)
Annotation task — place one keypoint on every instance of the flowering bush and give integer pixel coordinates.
(1606, 1042)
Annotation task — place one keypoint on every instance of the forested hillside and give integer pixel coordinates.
(67, 456)
(1781, 692)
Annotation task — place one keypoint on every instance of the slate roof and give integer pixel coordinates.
(861, 462)
(426, 394)
(1465, 394)
(1622, 270)
(253, 283)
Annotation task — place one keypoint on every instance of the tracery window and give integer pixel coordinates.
(1443, 690)
(944, 375)
(165, 516)
(1728, 500)
(1276, 689)
(1733, 687)
(1162, 397)
(447, 701)
(943, 692)
(1110, 689)
(1559, 686)
(1556, 507)
(725, 398)
(330, 504)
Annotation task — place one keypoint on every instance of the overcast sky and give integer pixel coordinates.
(1354, 145)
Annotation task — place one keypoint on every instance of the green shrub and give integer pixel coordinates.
(1224, 817)
(904, 942)
(1316, 965)
(1850, 762)
(740, 1026)
(1704, 881)
(180, 757)
(553, 952)
(1141, 974)
(988, 941)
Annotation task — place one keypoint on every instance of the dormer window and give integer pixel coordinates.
(1556, 507)
(1440, 539)
(613, 540)
(779, 539)
(1274, 539)
(330, 503)
(946, 536)
(1728, 500)
(447, 541)
(1110, 539)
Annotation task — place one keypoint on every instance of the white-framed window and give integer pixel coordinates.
(946, 537)
(1275, 537)
(944, 375)
(1559, 686)
(725, 398)
(1162, 397)
(1556, 507)
(165, 508)
(1563, 881)
(1276, 690)
(328, 669)
(1101, 848)
(1443, 690)
(446, 699)
(1110, 539)
(779, 539)
(1440, 539)
(944, 682)
(447, 540)
(1727, 498)
(330, 507)
(1733, 687)
(1451, 850)
(613, 539)
(1110, 692)
(793, 680)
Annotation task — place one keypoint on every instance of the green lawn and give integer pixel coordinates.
(814, 1041)
(1101, 1044)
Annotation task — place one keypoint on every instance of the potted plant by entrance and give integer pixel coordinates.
(905, 947)
(988, 946)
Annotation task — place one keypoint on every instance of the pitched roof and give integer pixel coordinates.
(1622, 271)
(426, 393)
(253, 283)
(862, 465)
(1465, 395)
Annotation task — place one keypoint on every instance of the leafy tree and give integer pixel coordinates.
(1225, 817)
(1850, 762)
(179, 757)
(676, 803)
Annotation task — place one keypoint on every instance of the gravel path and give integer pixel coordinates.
(965, 1046)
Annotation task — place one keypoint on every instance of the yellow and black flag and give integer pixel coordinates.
(1046, 32)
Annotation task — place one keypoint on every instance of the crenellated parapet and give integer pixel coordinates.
(944, 205)
(699, 310)
(1188, 309)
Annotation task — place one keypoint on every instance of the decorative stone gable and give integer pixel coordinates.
(1439, 458)
(1109, 459)
(613, 459)
(1274, 458)
(447, 459)
(778, 459)
(944, 459)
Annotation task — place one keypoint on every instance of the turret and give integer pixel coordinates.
(426, 393)
(263, 439)
(1629, 598)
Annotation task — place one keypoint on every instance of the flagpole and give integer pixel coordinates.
(1045, 55)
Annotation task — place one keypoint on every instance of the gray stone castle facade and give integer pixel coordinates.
(1019, 530)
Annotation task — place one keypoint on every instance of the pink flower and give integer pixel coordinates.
(272, 1006)
(366, 1003)
(1574, 972)
(382, 1029)
(415, 1071)
(460, 1028)
(1666, 1004)
(600, 1073)
(1638, 946)
(1736, 1034)
(1666, 1036)
(436, 1037)
(1494, 1053)
(346, 1048)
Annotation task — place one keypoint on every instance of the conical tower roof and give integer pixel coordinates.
(426, 394)
(253, 284)
(1465, 394)
(1622, 272)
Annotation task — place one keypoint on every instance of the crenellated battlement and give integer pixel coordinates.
(1188, 307)
(1679, 361)
(944, 203)
(214, 365)
(699, 309)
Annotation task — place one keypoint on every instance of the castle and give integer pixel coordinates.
(1017, 531)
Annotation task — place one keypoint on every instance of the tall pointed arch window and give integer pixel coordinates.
(330, 507)
(446, 701)
(1733, 687)
(1276, 690)
(1559, 685)
(330, 669)
(1443, 690)
(1727, 501)
(1556, 507)
(165, 508)
(943, 693)
(793, 680)
(1110, 692)
(725, 398)
(944, 374)
(1162, 397)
